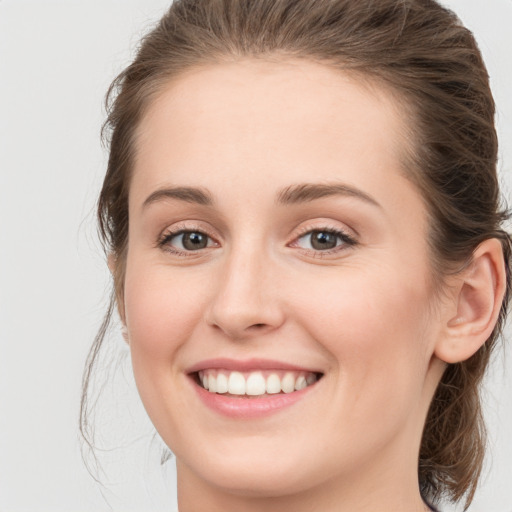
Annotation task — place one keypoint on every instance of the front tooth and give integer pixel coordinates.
(222, 383)
(255, 384)
(236, 384)
(212, 383)
(300, 383)
(288, 383)
(273, 384)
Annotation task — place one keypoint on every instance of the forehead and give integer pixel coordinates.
(277, 119)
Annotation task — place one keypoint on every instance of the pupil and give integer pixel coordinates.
(322, 240)
(194, 241)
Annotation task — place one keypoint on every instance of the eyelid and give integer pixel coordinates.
(180, 228)
(348, 239)
(325, 225)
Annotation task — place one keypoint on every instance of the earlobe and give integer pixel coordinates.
(124, 332)
(112, 265)
(111, 262)
(477, 295)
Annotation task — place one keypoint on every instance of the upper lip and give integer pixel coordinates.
(246, 365)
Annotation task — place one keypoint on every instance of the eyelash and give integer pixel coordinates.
(347, 240)
(168, 235)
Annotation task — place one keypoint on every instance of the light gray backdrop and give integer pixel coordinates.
(56, 61)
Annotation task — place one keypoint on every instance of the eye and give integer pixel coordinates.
(186, 241)
(324, 240)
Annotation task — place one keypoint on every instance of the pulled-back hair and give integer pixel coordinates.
(431, 63)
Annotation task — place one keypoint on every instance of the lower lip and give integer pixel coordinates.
(247, 408)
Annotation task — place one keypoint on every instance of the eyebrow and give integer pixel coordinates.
(306, 192)
(187, 194)
(294, 194)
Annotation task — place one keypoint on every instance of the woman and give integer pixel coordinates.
(302, 217)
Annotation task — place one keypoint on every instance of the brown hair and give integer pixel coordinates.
(421, 52)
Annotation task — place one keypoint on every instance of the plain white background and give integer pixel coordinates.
(57, 59)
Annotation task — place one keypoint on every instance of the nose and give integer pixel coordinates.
(245, 300)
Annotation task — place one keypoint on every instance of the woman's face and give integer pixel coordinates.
(274, 243)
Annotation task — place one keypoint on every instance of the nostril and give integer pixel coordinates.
(257, 327)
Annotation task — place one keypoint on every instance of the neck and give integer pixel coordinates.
(382, 488)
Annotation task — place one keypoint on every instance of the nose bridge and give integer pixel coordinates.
(245, 299)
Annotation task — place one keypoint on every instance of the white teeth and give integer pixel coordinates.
(212, 383)
(255, 383)
(222, 383)
(273, 384)
(236, 384)
(300, 383)
(288, 383)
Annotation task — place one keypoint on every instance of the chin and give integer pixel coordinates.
(252, 475)
(260, 483)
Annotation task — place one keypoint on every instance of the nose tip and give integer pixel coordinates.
(244, 319)
(245, 301)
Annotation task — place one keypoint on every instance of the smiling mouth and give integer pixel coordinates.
(254, 384)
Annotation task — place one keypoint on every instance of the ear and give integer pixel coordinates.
(124, 332)
(112, 265)
(111, 262)
(477, 297)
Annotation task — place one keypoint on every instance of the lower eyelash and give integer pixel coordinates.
(347, 239)
(169, 235)
(344, 237)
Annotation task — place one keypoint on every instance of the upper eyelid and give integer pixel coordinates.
(327, 226)
(184, 226)
(180, 228)
(315, 225)
(163, 244)
(302, 231)
(330, 229)
(346, 238)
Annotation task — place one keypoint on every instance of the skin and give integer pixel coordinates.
(365, 315)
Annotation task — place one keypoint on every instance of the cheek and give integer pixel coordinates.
(373, 324)
(374, 332)
(162, 310)
(365, 308)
